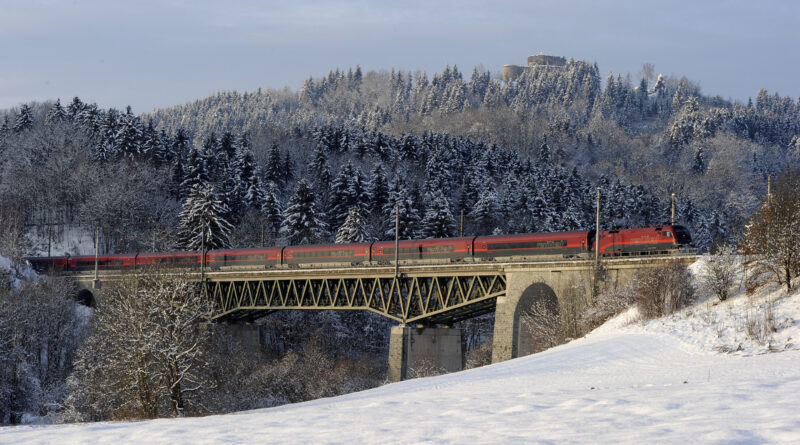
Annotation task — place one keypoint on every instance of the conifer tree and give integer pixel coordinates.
(209, 156)
(357, 190)
(202, 221)
(544, 153)
(5, 129)
(699, 165)
(288, 168)
(541, 216)
(248, 178)
(178, 176)
(231, 194)
(271, 210)
(75, 108)
(341, 198)
(129, 135)
(321, 179)
(195, 171)
(438, 221)
(227, 146)
(56, 112)
(301, 224)
(438, 174)
(352, 231)
(181, 143)
(484, 214)
(154, 147)
(377, 190)
(407, 212)
(24, 119)
(273, 170)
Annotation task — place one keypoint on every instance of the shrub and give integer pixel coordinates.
(480, 356)
(662, 291)
(606, 305)
(720, 272)
(425, 367)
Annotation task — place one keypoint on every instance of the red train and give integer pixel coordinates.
(538, 246)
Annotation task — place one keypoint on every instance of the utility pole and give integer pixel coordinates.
(396, 240)
(96, 282)
(262, 234)
(49, 234)
(154, 241)
(202, 254)
(597, 232)
(673, 210)
(461, 231)
(769, 185)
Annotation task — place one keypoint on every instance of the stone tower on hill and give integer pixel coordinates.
(540, 61)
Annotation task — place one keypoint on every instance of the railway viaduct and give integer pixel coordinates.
(425, 300)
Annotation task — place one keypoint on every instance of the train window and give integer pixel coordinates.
(110, 263)
(402, 250)
(313, 254)
(435, 249)
(259, 256)
(181, 260)
(528, 245)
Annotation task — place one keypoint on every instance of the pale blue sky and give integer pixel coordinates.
(155, 54)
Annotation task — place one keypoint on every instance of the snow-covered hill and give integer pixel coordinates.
(697, 376)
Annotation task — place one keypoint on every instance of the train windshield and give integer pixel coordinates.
(682, 235)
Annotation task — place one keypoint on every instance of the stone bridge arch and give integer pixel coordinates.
(537, 300)
(525, 288)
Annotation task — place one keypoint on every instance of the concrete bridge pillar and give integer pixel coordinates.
(247, 337)
(419, 351)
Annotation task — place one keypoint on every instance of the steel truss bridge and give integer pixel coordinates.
(441, 294)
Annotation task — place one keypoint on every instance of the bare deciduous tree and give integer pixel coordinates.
(149, 338)
(663, 290)
(773, 235)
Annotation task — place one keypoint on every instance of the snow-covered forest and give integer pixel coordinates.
(329, 163)
(534, 148)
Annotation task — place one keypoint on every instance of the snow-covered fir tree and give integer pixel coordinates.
(699, 165)
(438, 221)
(271, 210)
(24, 119)
(273, 170)
(301, 224)
(377, 190)
(195, 171)
(288, 168)
(400, 204)
(202, 221)
(56, 113)
(484, 214)
(353, 230)
(129, 135)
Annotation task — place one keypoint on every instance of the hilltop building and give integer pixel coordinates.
(540, 61)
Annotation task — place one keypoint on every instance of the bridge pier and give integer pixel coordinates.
(245, 337)
(415, 352)
(555, 289)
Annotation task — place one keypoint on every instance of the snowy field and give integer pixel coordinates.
(692, 377)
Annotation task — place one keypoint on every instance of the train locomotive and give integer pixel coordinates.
(662, 240)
